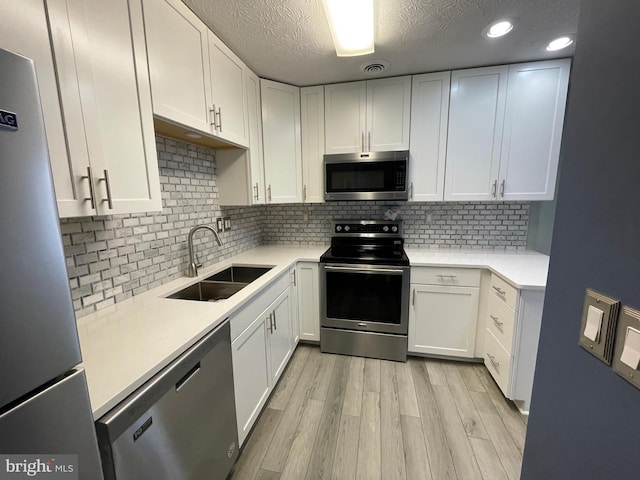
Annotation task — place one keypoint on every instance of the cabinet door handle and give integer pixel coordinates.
(502, 189)
(362, 141)
(105, 179)
(446, 276)
(368, 141)
(497, 322)
(269, 193)
(213, 117)
(495, 364)
(304, 193)
(294, 277)
(413, 297)
(92, 197)
(270, 326)
(275, 320)
(499, 291)
(494, 189)
(257, 194)
(220, 119)
(411, 191)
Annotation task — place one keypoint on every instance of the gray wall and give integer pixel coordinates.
(584, 420)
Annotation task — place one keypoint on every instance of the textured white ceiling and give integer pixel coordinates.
(290, 41)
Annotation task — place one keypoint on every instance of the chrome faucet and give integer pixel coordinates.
(193, 258)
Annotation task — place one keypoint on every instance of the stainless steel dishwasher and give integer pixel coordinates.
(180, 425)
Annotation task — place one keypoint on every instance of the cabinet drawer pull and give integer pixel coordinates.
(92, 197)
(499, 291)
(498, 323)
(495, 364)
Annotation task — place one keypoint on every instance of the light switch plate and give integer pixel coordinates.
(603, 347)
(227, 223)
(628, 318)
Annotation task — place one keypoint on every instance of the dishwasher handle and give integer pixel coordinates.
(188, 376)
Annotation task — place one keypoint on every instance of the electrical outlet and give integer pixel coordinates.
(227, 223)
(220, 224)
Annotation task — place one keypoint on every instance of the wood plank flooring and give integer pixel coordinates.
(343, 418)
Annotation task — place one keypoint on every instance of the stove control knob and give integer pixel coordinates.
(385, 229)
(338, 228)
(347, 228)
(394, 229)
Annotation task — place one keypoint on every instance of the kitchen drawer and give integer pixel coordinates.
(258, 304)
(459, 277)
(498, 362)
(501, 320)
(504, 291)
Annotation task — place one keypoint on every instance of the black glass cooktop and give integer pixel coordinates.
(366, 251)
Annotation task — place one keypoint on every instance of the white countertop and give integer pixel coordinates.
(524, 270)
(125, 345)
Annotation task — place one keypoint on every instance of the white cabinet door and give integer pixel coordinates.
(536, 99)
(280, 338)
(307, 279)
(228, 93)
(108, 48)
(345, 117)
(388, 114)
(443, 319)
(429, 118)
(178, 63)
(312, 129)
(251, 374)
(241, 172)
(281, 142)
(476, 118)
(27, 34)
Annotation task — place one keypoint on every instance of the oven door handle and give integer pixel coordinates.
(393, 271)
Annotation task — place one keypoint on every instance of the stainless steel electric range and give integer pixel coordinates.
(364, 291)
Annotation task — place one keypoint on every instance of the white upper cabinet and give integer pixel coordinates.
(177, 45)
(281, 142)
(27, 34)
(536, 99)
(312, 127)
(101, 62)
(388, 114)
(429, 117)
(367, 116)
(345, 117)
(241, 172)
(505, 127)
(476, 118)
(228, 93)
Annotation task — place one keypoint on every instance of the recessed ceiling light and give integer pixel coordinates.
(193, 135)
(559, 43)
(499, 28)
(352, 26)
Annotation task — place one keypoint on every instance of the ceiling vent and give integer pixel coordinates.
(375, 67)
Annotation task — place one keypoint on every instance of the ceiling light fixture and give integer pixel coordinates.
(499, 28)
(351, 24)
(193, 135)
(559, 43)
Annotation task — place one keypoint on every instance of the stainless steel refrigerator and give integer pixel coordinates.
(44, 402)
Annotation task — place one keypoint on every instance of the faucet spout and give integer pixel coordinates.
(193, 258)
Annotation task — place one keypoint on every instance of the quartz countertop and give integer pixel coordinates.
(126, 344)
(525, 270)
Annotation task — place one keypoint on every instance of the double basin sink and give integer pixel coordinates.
(222, 284)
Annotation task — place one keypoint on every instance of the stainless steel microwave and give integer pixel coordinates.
(366, 176)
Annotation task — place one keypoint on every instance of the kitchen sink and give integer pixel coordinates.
(222, 284)
(239, 273)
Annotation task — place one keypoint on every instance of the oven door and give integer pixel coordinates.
(370, 298)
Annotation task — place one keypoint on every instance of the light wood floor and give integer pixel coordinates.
(340, 417)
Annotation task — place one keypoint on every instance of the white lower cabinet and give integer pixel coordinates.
(262, 344)
(511, 338)
(308, 293)
(443, 315)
